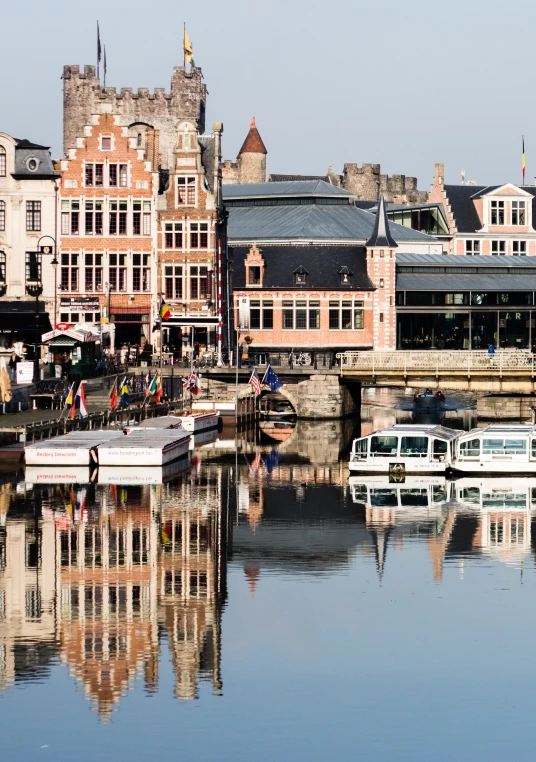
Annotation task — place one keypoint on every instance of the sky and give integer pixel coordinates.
(404, 85)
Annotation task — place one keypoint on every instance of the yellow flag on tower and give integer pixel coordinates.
(188, 52)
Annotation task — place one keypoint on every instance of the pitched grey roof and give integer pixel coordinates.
(462, 260)
(26, 151)
(465, 282)
(311, 223)
(449, 272)
(461, 199)
(296, 178)
(381, 234)
(298, 188)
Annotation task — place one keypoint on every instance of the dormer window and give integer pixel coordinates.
(518, 213)
(497, 212)
(106, 143)
(300, 276)
(254, 275)
(32, 163)
(345, 276)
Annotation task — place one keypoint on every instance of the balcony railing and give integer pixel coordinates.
(405, 362)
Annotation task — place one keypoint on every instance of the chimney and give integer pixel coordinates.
(439, 174)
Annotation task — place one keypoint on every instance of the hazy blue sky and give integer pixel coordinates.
(401, 84)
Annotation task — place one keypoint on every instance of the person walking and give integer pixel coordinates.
(491, 354)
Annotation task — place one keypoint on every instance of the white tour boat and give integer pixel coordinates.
(73, 449)
(144, 447)
(200, 420)
(497, 448)
(404, 448)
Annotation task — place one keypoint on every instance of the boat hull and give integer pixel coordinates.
(200, 421)
(141, 454)
(428, 404)
(491, 468)
(398, 467)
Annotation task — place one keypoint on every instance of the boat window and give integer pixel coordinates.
(383, 498)
(360, 452)
(533, 447)
(504, 446)
(439, 493)
(414, 497)
(383, 446)
(414, 447)
(440, 449)
(470, 449)
(504, 500)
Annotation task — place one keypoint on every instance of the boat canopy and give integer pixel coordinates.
(401, 429)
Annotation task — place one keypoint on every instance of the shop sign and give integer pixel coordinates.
(80, 303)
(25, 372)
(62, 326)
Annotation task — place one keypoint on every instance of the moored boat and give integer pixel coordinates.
(428, 403)
(73, 449)
(497, 448)
(403, 448)
(200, 420)
(141, 447)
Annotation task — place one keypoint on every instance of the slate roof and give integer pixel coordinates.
(207, 158)
(253, 142)
(296, 178)
(25, 150)
(449, 272)
(297, 188)
(461, 199)
(321, 262)
(381, 234)
(463, 260)
(311, 223)
(480, 282)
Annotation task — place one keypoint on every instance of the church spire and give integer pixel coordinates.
(381, 234)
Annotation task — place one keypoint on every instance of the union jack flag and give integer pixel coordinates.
(255, 382)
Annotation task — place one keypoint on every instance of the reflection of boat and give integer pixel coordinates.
(277, 430)
(200, 438)
(498, 448)
(415, 493)
(428, 403)
(491, 494)
(142, 474)
(57, 474)
(403, 448)
(278, 410)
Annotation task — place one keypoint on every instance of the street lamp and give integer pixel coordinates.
(37, 289)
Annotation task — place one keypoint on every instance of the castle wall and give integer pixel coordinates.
(83, 94)
(366, 182)
(252, 167)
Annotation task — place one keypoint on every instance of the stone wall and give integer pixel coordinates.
(82, 94)
(367, 182)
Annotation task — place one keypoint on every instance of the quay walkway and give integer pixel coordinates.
(507, 370)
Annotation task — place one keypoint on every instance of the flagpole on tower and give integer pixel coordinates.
(184, 46)
(522, 160)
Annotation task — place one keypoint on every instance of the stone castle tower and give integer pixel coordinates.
(250, 166)
(84, 96)
(367, 183)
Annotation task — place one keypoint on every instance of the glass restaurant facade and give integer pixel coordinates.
(465, 306)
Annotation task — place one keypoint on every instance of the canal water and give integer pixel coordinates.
(259, 605)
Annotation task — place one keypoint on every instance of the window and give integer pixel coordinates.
(117, 175)
(519, 248)
(497, 212)
(254, 275)
(346, 315)
(173, 235)
(186, 191)
(2, 161)
(198, 282)
(93, 217)
(33, 267)
(93, 272)
(300, 276)
(498, 248)
(2, 267)
(470, 449)
(2, 215)
(504, 447)
(69, 272)
(198, 235)
(518, 213)
(141, 217)
(118, 272)
(138, 141)
(302, 314)
(106, 143)
(472, 247)
(94, 175)
(118, 217)
(33, 215)
(383, 446)
(70, 217)
(414, 447)
(173, 281)
(141, 274)
(261, 314)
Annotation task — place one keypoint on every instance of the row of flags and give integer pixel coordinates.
(270, 379)
(119, 394)
(73, 399)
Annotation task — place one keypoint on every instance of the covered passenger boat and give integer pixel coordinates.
(498, 448)
(403, 448)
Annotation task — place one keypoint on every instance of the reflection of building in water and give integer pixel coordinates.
(26, 599)
(191, 579)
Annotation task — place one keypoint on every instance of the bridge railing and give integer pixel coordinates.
(405, 361)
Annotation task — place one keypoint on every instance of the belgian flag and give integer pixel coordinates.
(165, 312)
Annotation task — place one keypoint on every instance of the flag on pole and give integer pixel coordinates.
(188, 52)
(195, 381)
(151, 389)
(81, 397)
(70, 396)
(105, 66)
(271, 379)
(159, 390)
(125, 401)
(523, 158)
(255, 382)
(98, 48)
(113, 396)
(165, 312)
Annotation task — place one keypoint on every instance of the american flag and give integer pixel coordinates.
(255, 382)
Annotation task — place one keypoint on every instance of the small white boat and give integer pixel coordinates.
(144, 447)
(405, 449)
(200, 420)
(497, 448)
(73, 449)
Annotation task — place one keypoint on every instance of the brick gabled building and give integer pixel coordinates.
(108, 228)
(191, 234)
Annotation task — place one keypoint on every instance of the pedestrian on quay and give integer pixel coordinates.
(491, 354)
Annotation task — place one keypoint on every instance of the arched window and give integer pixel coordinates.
(2, 215)
(2, 267)
(2, 161)
(139, 139)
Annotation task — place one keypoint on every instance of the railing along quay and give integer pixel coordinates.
(404, 362)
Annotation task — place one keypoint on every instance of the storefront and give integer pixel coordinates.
(18, 325)
(181, 335)
(72, 351)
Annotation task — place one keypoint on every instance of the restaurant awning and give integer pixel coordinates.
(19, 317)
